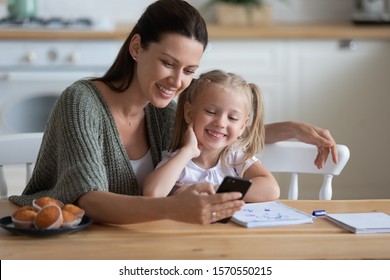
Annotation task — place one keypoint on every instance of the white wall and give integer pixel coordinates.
(130, 10)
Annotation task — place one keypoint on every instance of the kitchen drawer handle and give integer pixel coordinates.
(348, 45)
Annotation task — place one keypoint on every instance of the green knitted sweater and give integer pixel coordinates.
(81, 149)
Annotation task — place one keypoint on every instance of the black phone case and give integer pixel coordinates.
(233, 184)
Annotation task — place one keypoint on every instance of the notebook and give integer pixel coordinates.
(272, 213)
(374, 222)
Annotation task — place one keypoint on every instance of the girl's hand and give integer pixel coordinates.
(191, 142)
(178, 188)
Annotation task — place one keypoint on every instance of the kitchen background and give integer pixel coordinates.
(337, 83)
(129, 10)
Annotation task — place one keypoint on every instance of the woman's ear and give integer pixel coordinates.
(188, 112)
(135, 46)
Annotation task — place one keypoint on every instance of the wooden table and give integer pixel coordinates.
(172, 240)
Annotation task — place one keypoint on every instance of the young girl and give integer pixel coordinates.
(218, 130)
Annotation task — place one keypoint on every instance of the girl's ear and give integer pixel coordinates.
(135, 46)
(244, 125)
(188, 112)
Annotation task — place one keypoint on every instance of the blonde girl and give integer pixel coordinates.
(218, 131)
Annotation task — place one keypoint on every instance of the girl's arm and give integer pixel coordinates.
(159, 182)
(264, 186)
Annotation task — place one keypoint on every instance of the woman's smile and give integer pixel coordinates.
(165, 93)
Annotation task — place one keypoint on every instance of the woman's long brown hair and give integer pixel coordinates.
(160, 18)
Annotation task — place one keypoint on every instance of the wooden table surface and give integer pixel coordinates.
(172, 240)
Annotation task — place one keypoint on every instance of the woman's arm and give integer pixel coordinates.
(264, 186)
(307, 133)
(190, 206)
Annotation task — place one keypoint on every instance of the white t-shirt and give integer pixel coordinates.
(142, 167)
(193, 173)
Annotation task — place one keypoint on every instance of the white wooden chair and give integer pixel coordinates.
(297, 157)
(21, 148)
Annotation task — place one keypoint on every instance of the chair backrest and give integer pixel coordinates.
(21, 148)
(297, 157)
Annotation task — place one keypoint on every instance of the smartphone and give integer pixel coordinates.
(233, 184)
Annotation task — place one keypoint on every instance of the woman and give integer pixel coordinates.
(105, 134)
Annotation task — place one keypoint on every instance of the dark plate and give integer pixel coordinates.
(7, 224)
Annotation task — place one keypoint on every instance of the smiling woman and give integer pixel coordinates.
(92, 157)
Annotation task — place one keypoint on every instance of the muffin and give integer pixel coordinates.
(24, 217)
(75, 210)
(39, 203)
(49, 217)
(69, 219)
(23, 208)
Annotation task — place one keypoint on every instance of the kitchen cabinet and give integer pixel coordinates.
(260, 62)
(345, 87)
(335, 84)
(33, 73)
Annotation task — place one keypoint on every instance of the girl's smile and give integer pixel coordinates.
(215, 135)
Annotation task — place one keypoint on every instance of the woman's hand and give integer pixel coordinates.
(306, 133)
(321, 138)
(195, 204)
(200, 205)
